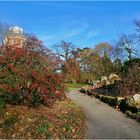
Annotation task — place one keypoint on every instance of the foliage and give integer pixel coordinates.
(131, 81)
(101, 60)
(95, 62)
(71, 69)
(27, 74)
(43, 129)
(69, 65)
(129, 64)
(63, 120)
(112, 101)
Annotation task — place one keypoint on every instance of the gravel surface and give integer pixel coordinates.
(103, 121)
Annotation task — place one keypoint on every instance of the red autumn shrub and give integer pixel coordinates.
(27, 74)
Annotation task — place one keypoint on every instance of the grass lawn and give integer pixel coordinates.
(73, 86)
(64, 120)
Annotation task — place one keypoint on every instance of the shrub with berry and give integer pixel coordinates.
(28, 76)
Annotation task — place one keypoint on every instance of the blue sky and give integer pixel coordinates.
(83, 23)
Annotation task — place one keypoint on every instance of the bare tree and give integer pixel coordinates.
(127, 44)
(64, 50)
(137, 23)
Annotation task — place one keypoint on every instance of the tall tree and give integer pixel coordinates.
(69, 65)
(103, 64)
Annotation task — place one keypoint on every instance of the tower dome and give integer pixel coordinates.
(16, 30)
(15, 38)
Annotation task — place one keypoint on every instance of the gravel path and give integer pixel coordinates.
(103, 121)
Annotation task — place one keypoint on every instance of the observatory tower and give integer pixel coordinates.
(14, 37)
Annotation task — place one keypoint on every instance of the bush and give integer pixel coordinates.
(128, 104)
(131, 81)
(138, 117)
(112, 101)
(97, 96)
(104, 99)
(27, 75)
(131, 115)
(119, 100)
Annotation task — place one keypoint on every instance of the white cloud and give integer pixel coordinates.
(75, 31)
(72, 33)
(64, 34)
(46, 37)
(93, 33)
(79, 34)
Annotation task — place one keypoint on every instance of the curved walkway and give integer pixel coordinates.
(103, 121)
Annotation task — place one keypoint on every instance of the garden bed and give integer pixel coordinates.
(64, 120)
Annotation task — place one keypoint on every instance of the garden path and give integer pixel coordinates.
(103, 121)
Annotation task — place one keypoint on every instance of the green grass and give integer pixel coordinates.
(73, 86)
(44, 129)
